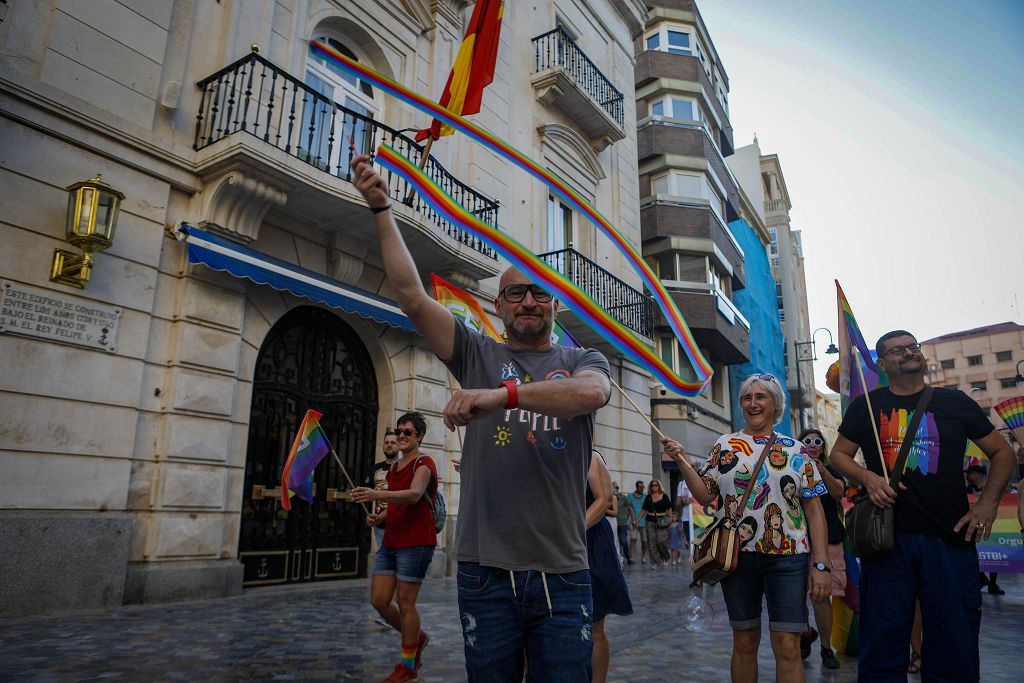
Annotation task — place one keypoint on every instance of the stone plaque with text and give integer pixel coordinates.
(47, 314)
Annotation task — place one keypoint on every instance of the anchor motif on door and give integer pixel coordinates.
(264, 571)
(336, 565)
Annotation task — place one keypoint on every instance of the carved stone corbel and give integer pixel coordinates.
(235, 205)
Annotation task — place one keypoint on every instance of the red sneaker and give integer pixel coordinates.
(402, 674)
(421, 646)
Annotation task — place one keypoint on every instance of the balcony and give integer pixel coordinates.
(665, 218)
(565, 77)
(276, 134)
(655, 71)
(632, 308)
(716, 323)
(662, 144)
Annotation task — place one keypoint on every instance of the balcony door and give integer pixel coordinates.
(328, 130)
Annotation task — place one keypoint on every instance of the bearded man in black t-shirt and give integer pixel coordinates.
(934, 559)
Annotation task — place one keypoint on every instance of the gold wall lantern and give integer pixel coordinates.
(92, 217)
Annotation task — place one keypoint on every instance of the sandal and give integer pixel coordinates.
(915, 663)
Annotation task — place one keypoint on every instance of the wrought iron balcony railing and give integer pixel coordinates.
(557, 48)
(629, 306)
(256, 97)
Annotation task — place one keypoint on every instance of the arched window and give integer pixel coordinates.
(331, 129)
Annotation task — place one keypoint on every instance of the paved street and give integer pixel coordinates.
(327, 632)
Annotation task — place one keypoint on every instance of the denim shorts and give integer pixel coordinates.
(781, 579)
(410, 564)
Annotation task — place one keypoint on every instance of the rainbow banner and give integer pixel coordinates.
(846, 610)
(464, 307)
(850, 338)
(522, 258)
(1003, 552)
(308, 449)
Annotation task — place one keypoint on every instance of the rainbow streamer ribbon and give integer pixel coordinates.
(521, 257)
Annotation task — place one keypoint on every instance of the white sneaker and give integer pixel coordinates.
(643, 560)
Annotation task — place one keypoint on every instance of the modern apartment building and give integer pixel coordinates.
(983, 362)
(687, 199)
(150, 400)
(787, 261)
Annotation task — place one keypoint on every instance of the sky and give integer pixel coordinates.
(899, 126)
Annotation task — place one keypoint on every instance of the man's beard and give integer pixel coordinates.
(529, 332)
(390, 456)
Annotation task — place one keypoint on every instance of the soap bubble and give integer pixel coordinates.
(698, 614)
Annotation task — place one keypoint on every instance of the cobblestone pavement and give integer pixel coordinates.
(327, 632)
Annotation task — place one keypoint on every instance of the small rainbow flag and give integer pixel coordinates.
(1011, 411)
(464, 307)
(850, 338)
(308, 449)
(561, 337)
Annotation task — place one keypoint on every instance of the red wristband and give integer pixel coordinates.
(513, 394)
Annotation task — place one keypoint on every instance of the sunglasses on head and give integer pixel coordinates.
(405, 432)
(766, 378)
(516, 293)
(813, 441)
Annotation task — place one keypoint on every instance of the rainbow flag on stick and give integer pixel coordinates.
(308, 449)
(473, 69)
(464, 307)
(850, 337)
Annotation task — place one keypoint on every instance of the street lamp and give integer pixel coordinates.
(1019, 378)
(831, 350)
(91, 219)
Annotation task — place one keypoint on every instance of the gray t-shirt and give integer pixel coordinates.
(524, 474)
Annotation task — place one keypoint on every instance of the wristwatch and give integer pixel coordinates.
(822, 567)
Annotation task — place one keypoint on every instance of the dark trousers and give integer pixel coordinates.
(944, 577)
(623, 531)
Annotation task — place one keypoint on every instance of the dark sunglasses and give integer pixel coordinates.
(813, 441)
(516, 293)
(767, 378)
(405, 432)
(900, 350)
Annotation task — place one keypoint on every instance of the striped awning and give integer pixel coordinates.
(224, 255)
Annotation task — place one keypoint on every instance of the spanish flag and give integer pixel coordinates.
(474, 66)
(464, 307)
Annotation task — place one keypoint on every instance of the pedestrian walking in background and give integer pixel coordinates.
(814, 444)
(675, 539)
(608, 586)
(782, 523)
(402, 561)
(624, 523)
(655, 512)
(639, 531)
(378, 479)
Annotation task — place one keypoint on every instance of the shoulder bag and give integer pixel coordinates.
(716, 552)
(872, 529)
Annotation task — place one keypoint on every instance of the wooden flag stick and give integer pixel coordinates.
(423, 164)
(348, 478)
(637, 408)
(871, 413)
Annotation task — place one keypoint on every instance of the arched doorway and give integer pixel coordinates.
(309, 359)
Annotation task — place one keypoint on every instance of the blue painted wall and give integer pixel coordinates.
(758, 304)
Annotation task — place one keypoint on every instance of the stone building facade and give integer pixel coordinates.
(147, 470)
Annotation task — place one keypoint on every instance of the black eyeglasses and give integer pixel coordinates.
(900, 350)
(813, 441)
(405, 432)
(516, 293)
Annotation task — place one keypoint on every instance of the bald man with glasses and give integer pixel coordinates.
(529, 411)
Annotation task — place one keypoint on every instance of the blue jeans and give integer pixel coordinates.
(781, 579)
(944, 577)
(623, 532)
(501, 627)
(408, 564)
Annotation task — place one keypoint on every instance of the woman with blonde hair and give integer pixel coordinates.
(773, 558)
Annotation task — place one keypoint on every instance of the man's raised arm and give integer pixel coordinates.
(434, 321)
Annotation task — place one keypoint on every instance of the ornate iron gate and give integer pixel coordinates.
(310, 359)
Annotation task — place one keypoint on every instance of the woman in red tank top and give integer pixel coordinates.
(409, 539)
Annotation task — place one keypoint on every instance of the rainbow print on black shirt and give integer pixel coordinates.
(924, 451)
